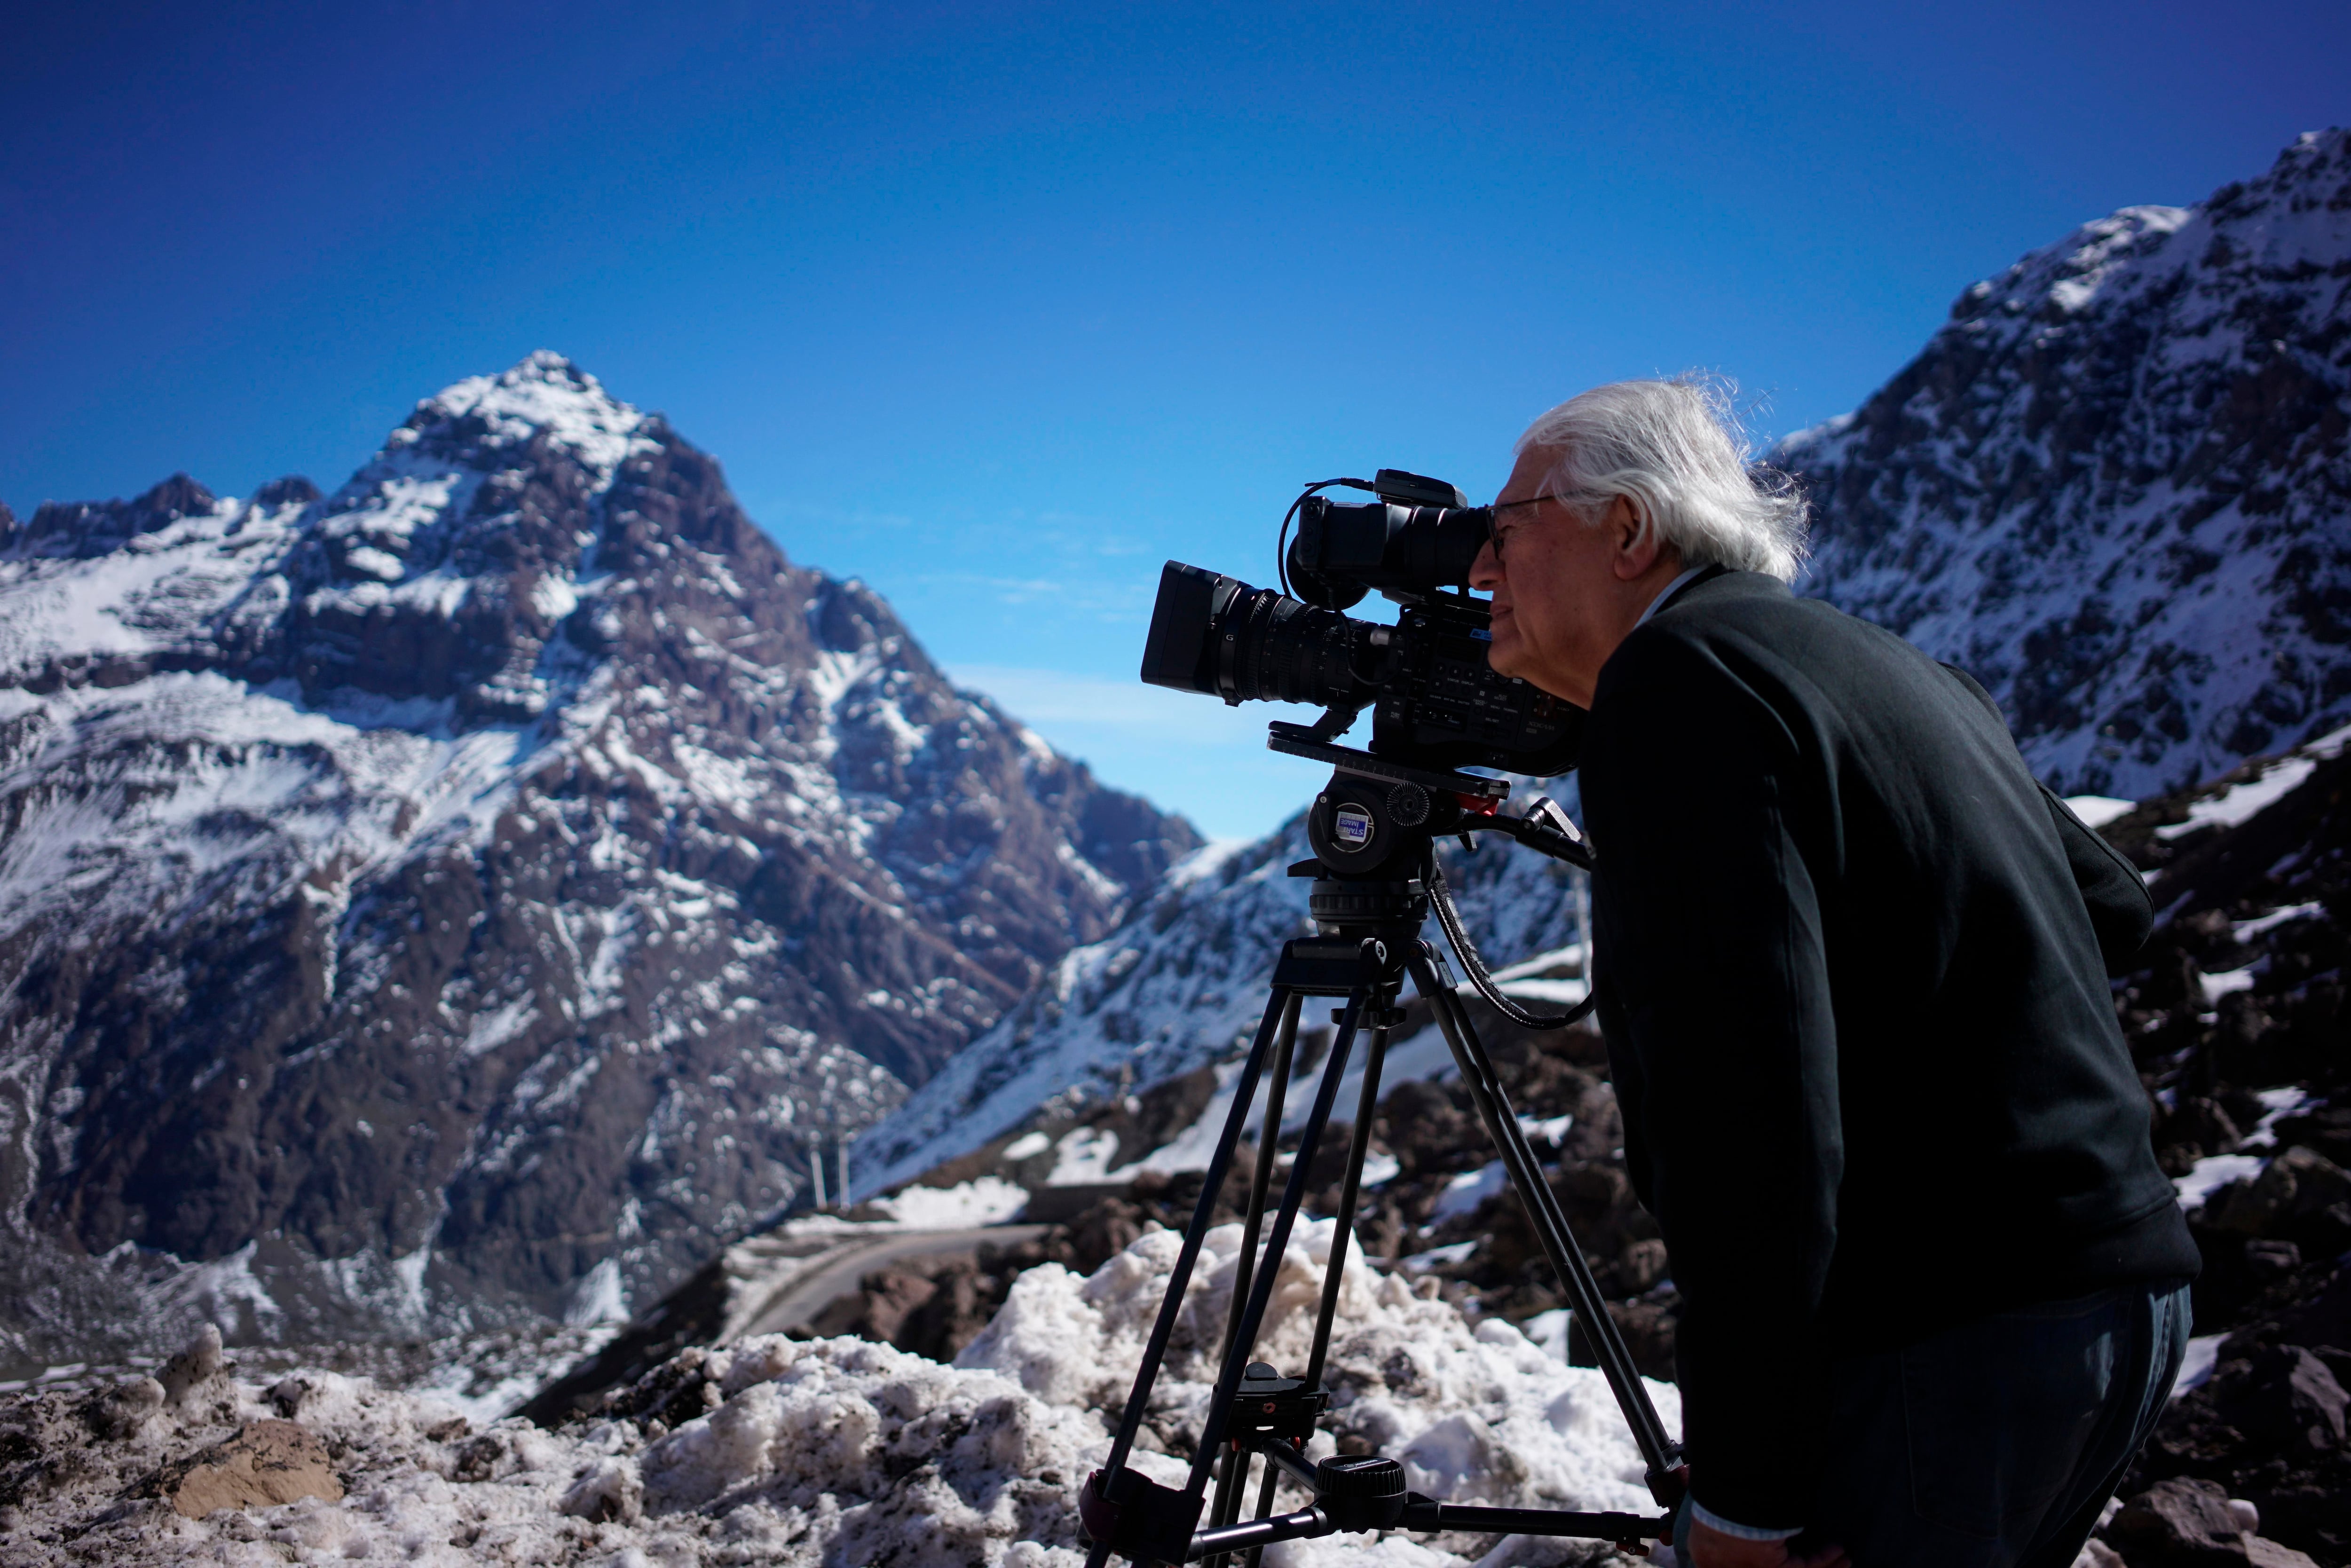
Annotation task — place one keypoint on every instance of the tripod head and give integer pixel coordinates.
(1374, 828)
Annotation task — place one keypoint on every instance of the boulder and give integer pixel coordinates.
(2178, 1523)
(121, 1410)
(2183, 1523)
(196, 1370)
(1641, 1265)
(2285, 1398)
(267, 1462)
(2299, 1183)
(2203, 1122)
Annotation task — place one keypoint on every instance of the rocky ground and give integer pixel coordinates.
(778, 1451)
(2237, 1020)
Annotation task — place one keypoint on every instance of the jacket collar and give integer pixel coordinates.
(1696, 577)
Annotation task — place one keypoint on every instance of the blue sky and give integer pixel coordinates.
(997, 307)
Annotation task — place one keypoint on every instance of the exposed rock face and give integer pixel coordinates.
(2117, 485)
(471, 893)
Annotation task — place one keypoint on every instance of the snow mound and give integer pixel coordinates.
(1477, 1414)
(782, 1451)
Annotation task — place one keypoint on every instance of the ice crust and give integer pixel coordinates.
(840, 1451)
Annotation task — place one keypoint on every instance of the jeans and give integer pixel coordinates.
(1996, 1444)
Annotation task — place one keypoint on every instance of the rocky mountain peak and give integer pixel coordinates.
(454, 486)
(82, 529)
(475, 894)
(2113, 485)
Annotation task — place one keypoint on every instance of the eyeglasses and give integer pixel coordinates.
(1498, 507)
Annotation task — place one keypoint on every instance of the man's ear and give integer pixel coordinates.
(1636, 547)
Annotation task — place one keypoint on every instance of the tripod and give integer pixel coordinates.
(1373, 830)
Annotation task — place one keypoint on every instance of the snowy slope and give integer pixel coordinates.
(2117, 485)
(1184, 983)
(476, 893)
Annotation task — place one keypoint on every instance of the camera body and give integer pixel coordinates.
(1436, 702)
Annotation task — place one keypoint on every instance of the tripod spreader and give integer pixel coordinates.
(1355, 1493)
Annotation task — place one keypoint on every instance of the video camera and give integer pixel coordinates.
(1436, 703)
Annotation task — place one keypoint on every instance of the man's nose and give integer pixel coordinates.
(1486, 571)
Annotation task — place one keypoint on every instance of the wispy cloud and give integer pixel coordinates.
(1051, 700)
(1106, 599)
(1183, 750)
(779, 512)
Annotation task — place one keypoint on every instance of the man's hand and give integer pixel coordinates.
(1710, 1547)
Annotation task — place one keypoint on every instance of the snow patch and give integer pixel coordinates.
(599, 1297)
(986, 1200)
(2213, 1172)
(2097, 810)
(2196, 1365)
(1465, 1193)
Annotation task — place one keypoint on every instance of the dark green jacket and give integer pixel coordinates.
(1857, 1013)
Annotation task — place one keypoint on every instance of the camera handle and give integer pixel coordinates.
(1369, 943)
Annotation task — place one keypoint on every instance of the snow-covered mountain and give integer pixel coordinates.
(475, 892)
(2117, 485)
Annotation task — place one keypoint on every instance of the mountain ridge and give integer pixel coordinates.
(471, 895)
(2113, 485)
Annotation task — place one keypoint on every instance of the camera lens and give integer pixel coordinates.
(1220, 636)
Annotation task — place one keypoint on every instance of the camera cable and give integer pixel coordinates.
(1282, 540)
(1441, 897)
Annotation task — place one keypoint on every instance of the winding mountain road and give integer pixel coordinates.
(803, 1293)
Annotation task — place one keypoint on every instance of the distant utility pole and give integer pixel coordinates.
(843, 1147)
(816, 1170)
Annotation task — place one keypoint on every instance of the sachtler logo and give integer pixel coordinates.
(1351, 826)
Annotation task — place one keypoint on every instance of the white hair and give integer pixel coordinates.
(1674, 450)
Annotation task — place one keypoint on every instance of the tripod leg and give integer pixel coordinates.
(1342, 1223)
(1349, 1186)
(1269, 1140)
(1232, 1475)
(1172, 1304)
(1228, 1377)
(1232, 1480)
(1549, 1223)
(1264, 1507)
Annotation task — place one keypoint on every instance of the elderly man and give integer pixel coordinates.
(1933, 1283)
